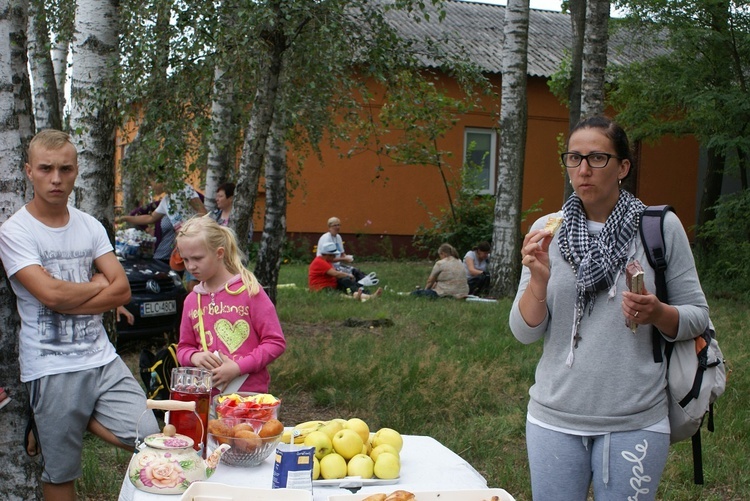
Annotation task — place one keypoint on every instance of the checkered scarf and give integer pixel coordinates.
(597, 261)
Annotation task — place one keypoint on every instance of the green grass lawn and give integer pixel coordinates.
(453, 370)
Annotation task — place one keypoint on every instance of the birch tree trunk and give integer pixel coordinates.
(21, 474)
(274, 226)
(594, 57)
(506, 237)
(93, 109)
(221, 153)
(19, 61)
(46, 105)
(60, 49)
(578, 29)
(256, 134)
(60, 23)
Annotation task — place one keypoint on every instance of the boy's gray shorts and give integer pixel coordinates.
(63, 404)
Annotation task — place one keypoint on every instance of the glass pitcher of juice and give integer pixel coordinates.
(191, 384)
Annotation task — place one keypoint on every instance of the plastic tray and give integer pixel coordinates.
(212, 491)
(464, 495)
(353, 482)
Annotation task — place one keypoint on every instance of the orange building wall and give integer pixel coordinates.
(374, 204)
(544, 178)
(398, 201)
(394, 201)
(669, 175)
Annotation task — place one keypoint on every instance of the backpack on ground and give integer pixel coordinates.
(156, 371)
(696, 372)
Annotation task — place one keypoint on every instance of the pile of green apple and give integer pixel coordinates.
(348, 448)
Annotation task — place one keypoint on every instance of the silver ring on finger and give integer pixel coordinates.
(636, 314)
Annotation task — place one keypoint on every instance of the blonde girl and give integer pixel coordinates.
(229, 325)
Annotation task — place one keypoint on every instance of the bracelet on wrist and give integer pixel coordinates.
(535, 296)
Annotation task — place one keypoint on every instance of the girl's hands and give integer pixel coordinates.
(222, 372)
(205, 360)
(222, 375)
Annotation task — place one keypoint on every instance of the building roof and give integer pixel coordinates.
(474, 31)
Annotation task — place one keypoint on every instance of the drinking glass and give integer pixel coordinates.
(191, 384)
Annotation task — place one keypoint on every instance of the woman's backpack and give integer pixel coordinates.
(696, 372)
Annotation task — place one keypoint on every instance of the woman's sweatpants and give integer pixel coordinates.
(620, 465)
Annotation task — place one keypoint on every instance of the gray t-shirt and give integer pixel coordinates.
(479, 265)
(328, 238)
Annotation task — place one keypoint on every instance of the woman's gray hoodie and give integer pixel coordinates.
(614, 383)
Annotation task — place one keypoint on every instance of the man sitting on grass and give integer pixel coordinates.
(322, 275)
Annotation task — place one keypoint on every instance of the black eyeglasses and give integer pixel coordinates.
(595, 160)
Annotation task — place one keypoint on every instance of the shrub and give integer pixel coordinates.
(474, 214)
(299, 250)
(724, 262)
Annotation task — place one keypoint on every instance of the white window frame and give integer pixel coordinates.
(492, 133)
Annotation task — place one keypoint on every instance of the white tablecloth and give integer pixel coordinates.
(426, 465)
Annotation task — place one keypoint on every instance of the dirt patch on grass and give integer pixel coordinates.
(352, 324)
(308, 329)
(301, 407)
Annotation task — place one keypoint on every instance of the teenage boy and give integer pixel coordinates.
(65, 274)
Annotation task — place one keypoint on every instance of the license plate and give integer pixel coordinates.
(158, 308)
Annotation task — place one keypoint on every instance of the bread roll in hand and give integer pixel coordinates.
(553, 224)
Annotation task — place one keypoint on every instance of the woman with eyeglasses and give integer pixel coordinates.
(597, 413)
(342, 261)
(333, 236)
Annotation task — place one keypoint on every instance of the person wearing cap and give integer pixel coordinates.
(323, 275)
(342, 261)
